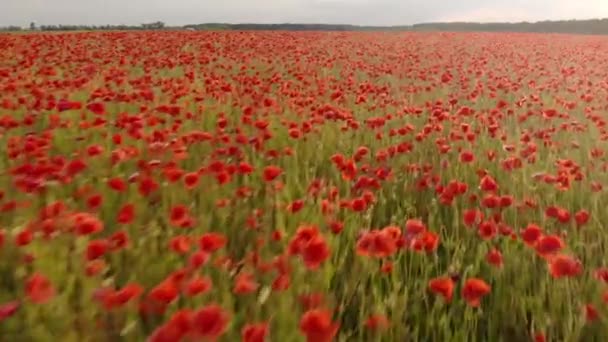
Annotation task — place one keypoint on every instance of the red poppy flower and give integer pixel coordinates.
(8, 309)
(317, 326)
(126, 214)
(178, 214)
(94, 201)
(117, 184)
(467, 157)
(198, 285)
(39, 289)
(487, 230)
(272, 172)
(414, 227)
(561, 266)
(472, 217)
(118, 240)
(180, 244)
(165, 292)
(244, 283)
(473, 290)
(494, 257)
(581, 217)
(210, 322)
(531, 234)
(24, 237)
(96, 249)
(86, 224)
(191, 180)
(549, 245)
(147, 186)
(315, 252)
(211, 242)
(591, 313)
(488, 184)
(97, 108)
(443, 286)
(254, 332)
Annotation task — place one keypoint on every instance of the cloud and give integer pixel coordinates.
(366, 12)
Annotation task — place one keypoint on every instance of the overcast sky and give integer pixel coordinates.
(365, 12)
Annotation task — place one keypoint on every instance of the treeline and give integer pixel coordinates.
(593, 26)
(159, 25)
(11, 28)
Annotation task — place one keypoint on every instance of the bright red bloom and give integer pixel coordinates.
(443, 286)
(563, 215)
(24, 237)
(427, 241)
(549, 245)
(178, 214)
(531, 234)
(211, 242)
(488, 184)
(75, 167)
(377, 243)
(191, 180)
(358, 204)
(272, 172)
(165, 292)
(198, 285)
(317, 326)
(86, 224)
(581, 217)
(147, 186)
(467, 157)
(97, 108)
(180, 244)
(117, 184)
(472, 217)
(245, 168)
(198, 259)
(487, 230)
(591, 313)
(118, 240)
(254, 332)
(8, 309)
(494, 257)
(601, 274)
(178, 327)
(414, 227)
(94, 201)
(539, 337)
(210, 322)
(96, 249)
(112, 299)
(473, 290)
(94, 267)
(126, 214)
(39, 289)
(561, 266)
(244, 283)
(315, 252)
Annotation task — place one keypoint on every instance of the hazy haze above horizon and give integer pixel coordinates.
(359, 12)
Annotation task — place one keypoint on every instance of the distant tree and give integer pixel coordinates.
(158, 25)
(33, 26)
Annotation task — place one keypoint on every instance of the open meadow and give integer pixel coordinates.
(303, 186)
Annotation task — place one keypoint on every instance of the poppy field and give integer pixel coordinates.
(303, 186)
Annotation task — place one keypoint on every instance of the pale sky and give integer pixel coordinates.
(362, 12)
